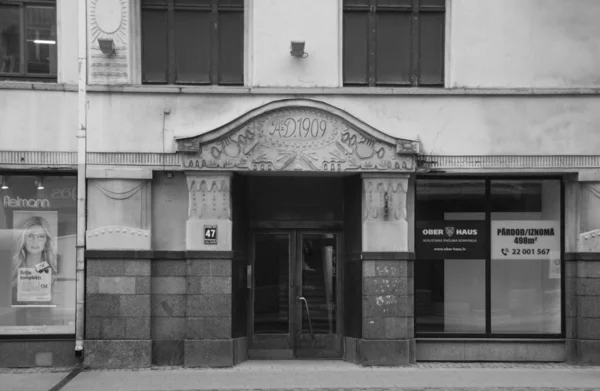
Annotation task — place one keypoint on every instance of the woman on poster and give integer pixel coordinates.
(35, 264)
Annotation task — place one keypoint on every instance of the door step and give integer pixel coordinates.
(270, 354)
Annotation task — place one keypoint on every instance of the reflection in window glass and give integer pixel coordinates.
(10, 39)
(37, 234)
(319, 264)
(41, 39)
(450, 293)
(271, 284)
(526, 261)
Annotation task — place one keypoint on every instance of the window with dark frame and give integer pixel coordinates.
(28, 39)
(193, 42)
(394, 42)
(489, 257)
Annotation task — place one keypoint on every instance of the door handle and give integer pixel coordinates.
(301, 298)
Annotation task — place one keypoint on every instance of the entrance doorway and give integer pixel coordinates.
(295, 296)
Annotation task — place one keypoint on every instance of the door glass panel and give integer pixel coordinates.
(271, 283)
(319, 270)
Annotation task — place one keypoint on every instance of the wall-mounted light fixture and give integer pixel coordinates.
(298, 49)
(107, 46)
(4, 183)
(39, 183)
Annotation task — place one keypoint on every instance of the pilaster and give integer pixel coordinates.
(208, 333)
(387, 273)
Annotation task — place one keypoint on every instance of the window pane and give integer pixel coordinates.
(450, 293)
(433, 3)
(431, 48)
(10, 39)
(404, 3)
(37, 244)
(271, 284)
(231, 3)
(194, 3)
(154, 46)
(355, 3)
(231, 48)
(356, 35)
(41, 39)
(450, 296)
(526, 256)
(439, 199)
(192, 46)
(154, 3)
(393, 48)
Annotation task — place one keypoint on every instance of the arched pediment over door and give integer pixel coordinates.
(297, 135)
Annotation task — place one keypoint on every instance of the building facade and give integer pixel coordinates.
(204, 182)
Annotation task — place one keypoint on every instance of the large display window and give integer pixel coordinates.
(489, 257)
(38, 225)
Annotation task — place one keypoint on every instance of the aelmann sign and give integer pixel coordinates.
(456, 239)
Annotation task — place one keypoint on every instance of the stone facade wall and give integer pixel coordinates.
(588, 311)
(388, 313)
(158, 312)
(117, 326)
(208, 314)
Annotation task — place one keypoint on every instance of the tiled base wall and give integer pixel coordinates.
(486, 350)
(27, 354)
(159, 312)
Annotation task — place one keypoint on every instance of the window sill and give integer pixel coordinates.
(38, 86)
(403, 91)
(225, 90)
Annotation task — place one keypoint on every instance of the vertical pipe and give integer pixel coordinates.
(81, 174)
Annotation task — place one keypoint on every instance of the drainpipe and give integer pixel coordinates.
(81, 175)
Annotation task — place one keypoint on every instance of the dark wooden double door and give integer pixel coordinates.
(295, 298)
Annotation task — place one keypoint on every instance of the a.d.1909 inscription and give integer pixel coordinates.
(299, 127)
(298, 139)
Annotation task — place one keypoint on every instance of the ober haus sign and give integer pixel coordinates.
(450, 239)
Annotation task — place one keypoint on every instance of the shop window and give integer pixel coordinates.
(394, 42)
(38, 225)
(488, 257)
(193, 41)
(28, 39)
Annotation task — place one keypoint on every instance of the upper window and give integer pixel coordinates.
(27, 39)
(394, 42)
(193, 41)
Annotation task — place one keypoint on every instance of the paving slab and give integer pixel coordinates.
(335, 375)
(315, 376)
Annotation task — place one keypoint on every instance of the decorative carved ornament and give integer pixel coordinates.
(385, 199)
(297, 135)
(109, 19)
(209, 197)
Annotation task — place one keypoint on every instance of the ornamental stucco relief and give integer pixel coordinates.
(298, 139)
(108, 19)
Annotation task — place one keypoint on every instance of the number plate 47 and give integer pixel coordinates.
(210, 234)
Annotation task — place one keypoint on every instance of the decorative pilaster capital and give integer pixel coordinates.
(209, 196)
(384, 198)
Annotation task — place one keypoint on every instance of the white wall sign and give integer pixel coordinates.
(525, 239)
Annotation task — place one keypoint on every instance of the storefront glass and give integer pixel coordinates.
(488, 257)
(38, 225)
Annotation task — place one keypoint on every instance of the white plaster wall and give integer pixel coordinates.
(274, 23)
(524, 43)
(446, 125)
(67, 28)
(38, 120)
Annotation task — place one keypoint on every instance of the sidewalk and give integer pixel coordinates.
(317, 375)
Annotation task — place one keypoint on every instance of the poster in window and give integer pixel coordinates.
(36, 258)
(38, 225)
